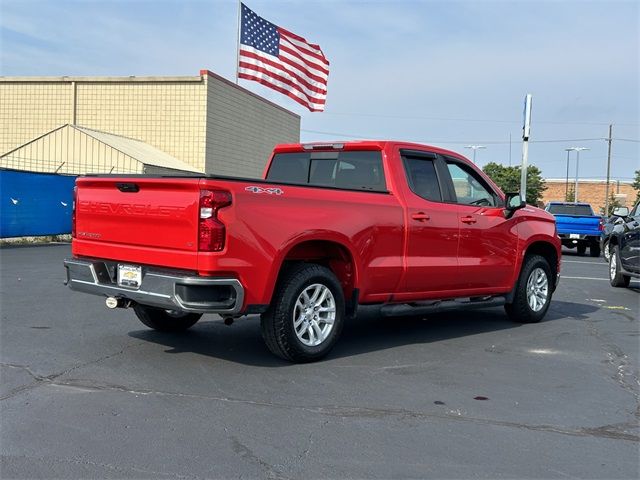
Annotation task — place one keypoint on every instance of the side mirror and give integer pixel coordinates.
(513, 202)
(621, 212)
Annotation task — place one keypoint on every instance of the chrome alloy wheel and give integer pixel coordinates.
(537, 289)
(613, 267)
(607, 251)
(314, 314)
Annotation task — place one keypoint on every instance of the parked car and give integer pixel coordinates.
(412, 228)
(624, 248)
(578, 227)
(615, 222)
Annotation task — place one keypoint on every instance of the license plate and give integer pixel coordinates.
(129, 276)
(574, 235)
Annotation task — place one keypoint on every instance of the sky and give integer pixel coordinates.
(445, 73)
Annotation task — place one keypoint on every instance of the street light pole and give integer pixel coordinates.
(577, 150)
(566, 184)
(474, 148)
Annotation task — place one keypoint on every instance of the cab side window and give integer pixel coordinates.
(469, 187)
(423, 180)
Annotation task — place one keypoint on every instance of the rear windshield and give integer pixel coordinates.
(570, 209)
(356, 170)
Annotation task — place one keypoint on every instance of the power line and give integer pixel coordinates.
(456, 142)
(451, 119)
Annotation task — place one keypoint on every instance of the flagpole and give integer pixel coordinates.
(238, 45)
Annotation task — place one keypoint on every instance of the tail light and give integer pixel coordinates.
(74, 207)
(601, 225)
(211, 231)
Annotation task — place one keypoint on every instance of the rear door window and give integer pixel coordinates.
(354, 170)
(423, 179)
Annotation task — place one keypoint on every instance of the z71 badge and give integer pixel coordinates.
(268, 190)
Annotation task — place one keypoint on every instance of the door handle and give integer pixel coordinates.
(468, 219)
(420, 216)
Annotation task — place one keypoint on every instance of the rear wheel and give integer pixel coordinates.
(594, 250)
(533, 291)
(616, 278)
(605, 251)
(306, 316)
(582, 249)
(165, 320)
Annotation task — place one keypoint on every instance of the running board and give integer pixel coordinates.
(424, 308)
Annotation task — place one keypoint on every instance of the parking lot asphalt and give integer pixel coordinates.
(91, 393)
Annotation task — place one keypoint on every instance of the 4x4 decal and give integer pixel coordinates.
(269, 190)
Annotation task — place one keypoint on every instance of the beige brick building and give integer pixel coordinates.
(590, 191)
(206, 122)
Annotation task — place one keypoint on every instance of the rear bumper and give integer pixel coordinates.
(171, 291)
(579, 238)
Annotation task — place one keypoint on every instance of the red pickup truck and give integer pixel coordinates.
(413, 228)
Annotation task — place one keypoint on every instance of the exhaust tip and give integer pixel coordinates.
(112, 302)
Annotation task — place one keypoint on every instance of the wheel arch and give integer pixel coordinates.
(546, 250)
(327, 250)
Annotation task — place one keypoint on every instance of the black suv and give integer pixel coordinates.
(615, 223)
(624, 249)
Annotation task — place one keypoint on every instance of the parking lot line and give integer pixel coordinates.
(579, 261)
(586, 278)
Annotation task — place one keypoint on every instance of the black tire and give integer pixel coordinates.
(520, 311)
(277, 322)
(165, 320)
(582, 249)
(605, 251)
(594, 250)
(616, 278)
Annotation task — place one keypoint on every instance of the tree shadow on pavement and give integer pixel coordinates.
(242, 342)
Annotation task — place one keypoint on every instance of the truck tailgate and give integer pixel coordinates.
(578, 224)
(118, 216)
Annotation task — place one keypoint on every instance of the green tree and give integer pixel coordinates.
(508, 179)
(636, 185)
(613, 204)
(571, 194)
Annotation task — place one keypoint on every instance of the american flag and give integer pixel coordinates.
(282, 60)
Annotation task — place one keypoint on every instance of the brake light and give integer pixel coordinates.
(601, 225)
(211, 231)
(73, 211)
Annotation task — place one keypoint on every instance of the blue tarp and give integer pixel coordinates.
(35, 203)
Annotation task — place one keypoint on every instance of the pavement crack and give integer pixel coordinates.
(25, 368)
(613, 432)
(92, 362)
(247, 454)
(48, 379)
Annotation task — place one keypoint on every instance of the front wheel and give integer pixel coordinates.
(165, 320)
(616, 278)
(533, 291)
(306, 315)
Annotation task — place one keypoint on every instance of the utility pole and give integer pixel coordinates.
(509, 149)
(606, 190)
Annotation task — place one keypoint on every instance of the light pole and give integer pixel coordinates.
(575, 190)
(566, 185)
(474, 148)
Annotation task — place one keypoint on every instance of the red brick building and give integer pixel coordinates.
(590, 191)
